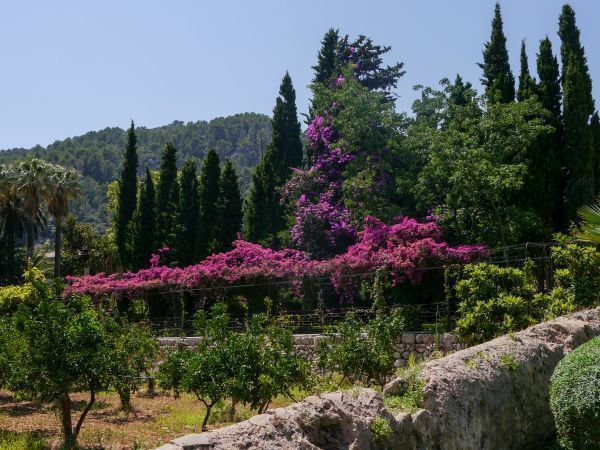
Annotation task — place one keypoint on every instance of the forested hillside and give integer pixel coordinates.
(98, 155)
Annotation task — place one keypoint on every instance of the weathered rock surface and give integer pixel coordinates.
(492, 396)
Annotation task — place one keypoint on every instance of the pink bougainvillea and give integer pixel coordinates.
(405, 248)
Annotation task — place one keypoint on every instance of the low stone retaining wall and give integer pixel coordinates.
(417, 343)
(491, 396)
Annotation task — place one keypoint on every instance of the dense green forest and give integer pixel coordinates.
(98, 155)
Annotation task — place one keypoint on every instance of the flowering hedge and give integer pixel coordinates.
(404, 248)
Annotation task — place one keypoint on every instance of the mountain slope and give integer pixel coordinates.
(98, 155)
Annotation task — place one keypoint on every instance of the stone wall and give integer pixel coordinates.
(491, 396)
(419, 344)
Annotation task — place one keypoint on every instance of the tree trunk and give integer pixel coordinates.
(208, 409)
(10, 244)
(57, 247)
(30, 238)
(125, 397)
(84, 414)
(67, 427)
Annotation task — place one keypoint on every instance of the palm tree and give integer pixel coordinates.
(31, 185)
(63, 185)
(13, 220)
(589, 229)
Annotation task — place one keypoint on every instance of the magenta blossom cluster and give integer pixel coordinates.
(406, 249)
(319, 134)
(322, 228)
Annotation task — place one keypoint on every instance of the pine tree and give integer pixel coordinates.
(578, 107)
(127, 199)
(265, 215)
(549, 94)
(210, 175)
(527, 85)
(188, 216)
(497, 78)
(167, 198)
(327, 60)
(144, 224)
(229, 207)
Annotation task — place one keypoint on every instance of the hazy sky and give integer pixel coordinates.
(68, 67)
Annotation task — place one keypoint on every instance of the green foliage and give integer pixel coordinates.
(509, 361)
(497, 76)
(188, 215)
(251, 367)
(578, 107)
(381, 429)
(20, 441)
(229, 207)
(496, 300)
(410, 390)
(83, 247)
(527, 85)
(327, 60)
(167, 198)
(362, 353)
(99, 154)
(54, 348)
(12, 296)
(264, 214)
(577, 270)
(476, 166)
(144, 224)
(134, 350)
(574, 399)
(210, 175)
(127, 197)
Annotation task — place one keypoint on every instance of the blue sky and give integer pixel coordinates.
(68, 67)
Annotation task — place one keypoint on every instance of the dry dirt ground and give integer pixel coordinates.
(153, 421)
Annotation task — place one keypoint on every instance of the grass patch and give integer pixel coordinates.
(509, 361)
(10, 440)
(381, 429)
(410, 397)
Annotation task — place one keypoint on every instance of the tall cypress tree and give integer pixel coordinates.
(229, 207)
(327, 60)
(497, 78)
(144, 224)
(578, 107)
(595, 129)
(127, 198)
(210, 175)
(265, 215)
(167, 198)
(527, 85)
(549, 94)
(188, 216)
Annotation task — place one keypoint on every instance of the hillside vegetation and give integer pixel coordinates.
(98, 155)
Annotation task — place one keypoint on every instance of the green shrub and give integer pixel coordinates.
(381, 429)
(410, 390)
(575, 397)
(362, 353)
(577, 270)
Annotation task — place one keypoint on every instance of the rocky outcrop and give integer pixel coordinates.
(491, 396)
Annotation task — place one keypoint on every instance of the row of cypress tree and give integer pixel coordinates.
(564, 168)
(194, 215)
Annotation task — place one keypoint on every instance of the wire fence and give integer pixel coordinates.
(425, 314)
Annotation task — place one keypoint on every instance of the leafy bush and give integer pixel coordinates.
(577, 270)
(381, 429)
(251, 367)
(54, 348)
(362, 353)
(410, 389)
(12, 296)
(575, 399)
